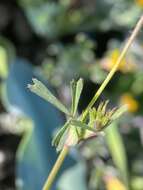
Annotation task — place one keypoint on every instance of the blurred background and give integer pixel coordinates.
(56, 41)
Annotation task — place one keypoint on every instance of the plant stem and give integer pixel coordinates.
(65, 150)
(56, 168)
(115, 67)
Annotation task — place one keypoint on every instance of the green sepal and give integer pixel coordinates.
(72, 138)
(83, 126)
(119, 112)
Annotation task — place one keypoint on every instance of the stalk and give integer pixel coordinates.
(56, 168)
(65, 150)
(115, 67)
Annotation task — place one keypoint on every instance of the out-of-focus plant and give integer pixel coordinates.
(52, 19)
(130, 64)
(112, 183)
(93, 120)
(117, 151)
(128, 99)
(19, 125)
(6, 54)
(130, 71)
(3, 62)
(61, 66)
(55, 18)
(71, 61)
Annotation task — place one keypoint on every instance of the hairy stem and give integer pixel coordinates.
(65, 150)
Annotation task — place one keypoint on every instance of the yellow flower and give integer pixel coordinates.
(114, 56)
(112, 183)
(110, 61)
(139, 2)
(129, 100)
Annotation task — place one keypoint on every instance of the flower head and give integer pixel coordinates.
(139, 2)
(130, 101)
(125, 66)
(102, 117)
(113, 183)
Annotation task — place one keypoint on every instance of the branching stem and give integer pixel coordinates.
(65, 150)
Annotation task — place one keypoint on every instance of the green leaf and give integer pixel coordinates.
(119, 112)
(41, 90)
(62, 141)
(76, 89)
(58, 136)
(117, 150)
(62, 138)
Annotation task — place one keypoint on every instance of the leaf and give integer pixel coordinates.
(41, 90)
(119, 112)
(59, 135)
(62, 141)
(117, 150)
(76, 89)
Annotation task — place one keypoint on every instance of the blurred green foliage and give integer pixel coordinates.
(55, 18)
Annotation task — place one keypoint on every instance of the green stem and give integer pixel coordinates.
(114, 69)
(65, 150)
(56, 168)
